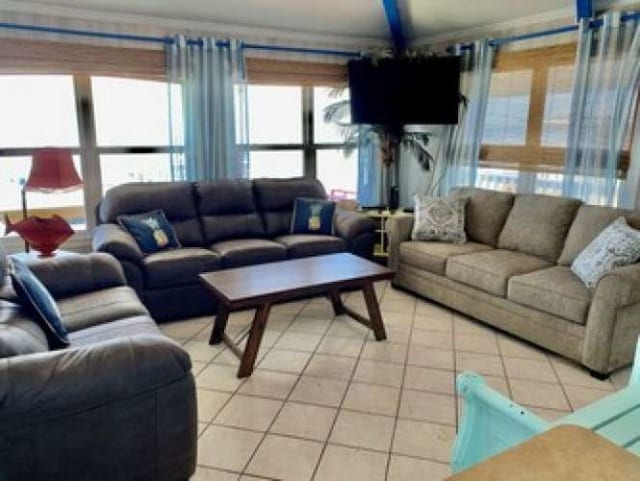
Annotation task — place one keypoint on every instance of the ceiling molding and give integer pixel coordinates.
(171, 26)
(494, 29)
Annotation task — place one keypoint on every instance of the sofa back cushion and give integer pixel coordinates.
(538, 225)
(590, 221)
(176, 199)
(228, 210)
(486, 213)
(275, 198)
(19, 334)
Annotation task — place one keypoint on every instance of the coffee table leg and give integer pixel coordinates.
(253, 342)
(219, 325)
(336, 302)
(373, 309)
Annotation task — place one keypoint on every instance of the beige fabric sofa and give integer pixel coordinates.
(514, 273)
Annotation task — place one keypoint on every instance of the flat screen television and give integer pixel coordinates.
(405, 91)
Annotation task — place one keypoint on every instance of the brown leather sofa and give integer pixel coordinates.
(514, 273)
(118, 403)
(222, 224)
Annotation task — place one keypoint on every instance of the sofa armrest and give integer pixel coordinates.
(111, 238)
(398, 228)
(615, 292)
(350, 224)
(71, 274)
(55, 384)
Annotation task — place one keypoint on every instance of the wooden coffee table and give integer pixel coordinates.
(261, 286)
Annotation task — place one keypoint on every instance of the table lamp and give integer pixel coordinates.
(52, 170)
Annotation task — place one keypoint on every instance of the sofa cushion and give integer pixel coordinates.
(305, 245)
(486, 213)
(555, 290)
(97, 307)
(243, 252)
(589, 222)
(178, 267)
(176, 199)
(433, 256)
(538, 225)
(151, 230)
(275, 197)
(129, 326)
(490, 271)
(227, 210)
(312, 216)
(18, 333)
(439, 219)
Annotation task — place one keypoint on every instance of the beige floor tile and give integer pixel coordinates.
(372, 399)
(582, 396)
(184, 329)
(361, 430)
(269, 384)
(290, 308)
(431, 357)
(437, 339)
(440, 322)
(499, 383)
(620, 378)
(304, 421)
(220, 377)
(249, 412)
(483, 344)
(226, 448)
(433, 380)
(340, 463)
(480, 363)
(424, 440)
(334, 367)
(285, 361)
(286, 459)
(201, 427)
(318, 390)
(401, 306)
(209, 474)
(310, 325)
(426, 406)
(376, 372)
(343, 326)
(316, 310)
(201, 350)
(533, 369)
(197, 367)
(341, 346)
(279, 322)
(511, 347)
(248, 477)
(395, 334)
(384, 351)
(466, 325)
(297, 341)
(540, 394)
(572, 374)
(402, 468)
(401, 319)
(548, 414)
(210, 403)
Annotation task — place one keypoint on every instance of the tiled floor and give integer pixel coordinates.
(327, 402)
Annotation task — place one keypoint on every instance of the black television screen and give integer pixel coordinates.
(405, 91)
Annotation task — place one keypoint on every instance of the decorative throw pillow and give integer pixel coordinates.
(312, 216)
(617, 245)
(151, 230)
(439, 219)
(35, 297)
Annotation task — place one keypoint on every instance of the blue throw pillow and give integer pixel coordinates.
(312, 216)
(151, 230)
(35, 297)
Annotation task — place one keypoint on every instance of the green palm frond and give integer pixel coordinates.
(337, 113)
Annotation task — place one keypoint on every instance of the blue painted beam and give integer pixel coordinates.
(584, 9)
(392, 12)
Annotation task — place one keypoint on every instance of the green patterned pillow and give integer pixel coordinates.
(439, 219)
(618, 245)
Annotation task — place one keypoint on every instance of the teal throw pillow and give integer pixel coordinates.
(35, 297)
(151, 230)
(312, 216)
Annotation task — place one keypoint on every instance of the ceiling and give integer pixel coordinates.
(356, 19)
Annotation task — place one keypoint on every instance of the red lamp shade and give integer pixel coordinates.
(52, 169)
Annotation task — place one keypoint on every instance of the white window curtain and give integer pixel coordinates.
(208, 104)
(461, 148)
(605, 91)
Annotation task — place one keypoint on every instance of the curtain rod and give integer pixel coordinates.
(170, 40)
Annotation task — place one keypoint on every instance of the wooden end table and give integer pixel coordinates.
(261, 286)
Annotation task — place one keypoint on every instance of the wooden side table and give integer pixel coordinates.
(564, 453)
(380, 217)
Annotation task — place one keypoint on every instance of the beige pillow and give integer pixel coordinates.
(439, 219)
